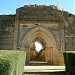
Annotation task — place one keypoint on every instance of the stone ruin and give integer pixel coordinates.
(53, 29)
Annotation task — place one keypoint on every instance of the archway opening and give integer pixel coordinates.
(38, 46)
(37, 53)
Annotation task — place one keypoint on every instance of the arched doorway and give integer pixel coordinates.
(48, 42)
(37, 52)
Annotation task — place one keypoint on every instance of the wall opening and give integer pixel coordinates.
(38, 52)
(38, 46)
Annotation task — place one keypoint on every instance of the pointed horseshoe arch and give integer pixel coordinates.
(51, 51)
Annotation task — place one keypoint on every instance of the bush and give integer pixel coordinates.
(69, 59)
(12, 62)
(4, 67)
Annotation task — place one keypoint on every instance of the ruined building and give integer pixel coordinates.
(53, 29)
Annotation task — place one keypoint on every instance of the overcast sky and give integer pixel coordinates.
(10, 6)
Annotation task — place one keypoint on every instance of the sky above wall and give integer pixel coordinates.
(10, 6)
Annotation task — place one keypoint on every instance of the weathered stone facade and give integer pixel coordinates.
(54, 29)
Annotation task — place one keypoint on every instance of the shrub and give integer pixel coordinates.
(4, 67)
(12, 62)
(69, 59)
